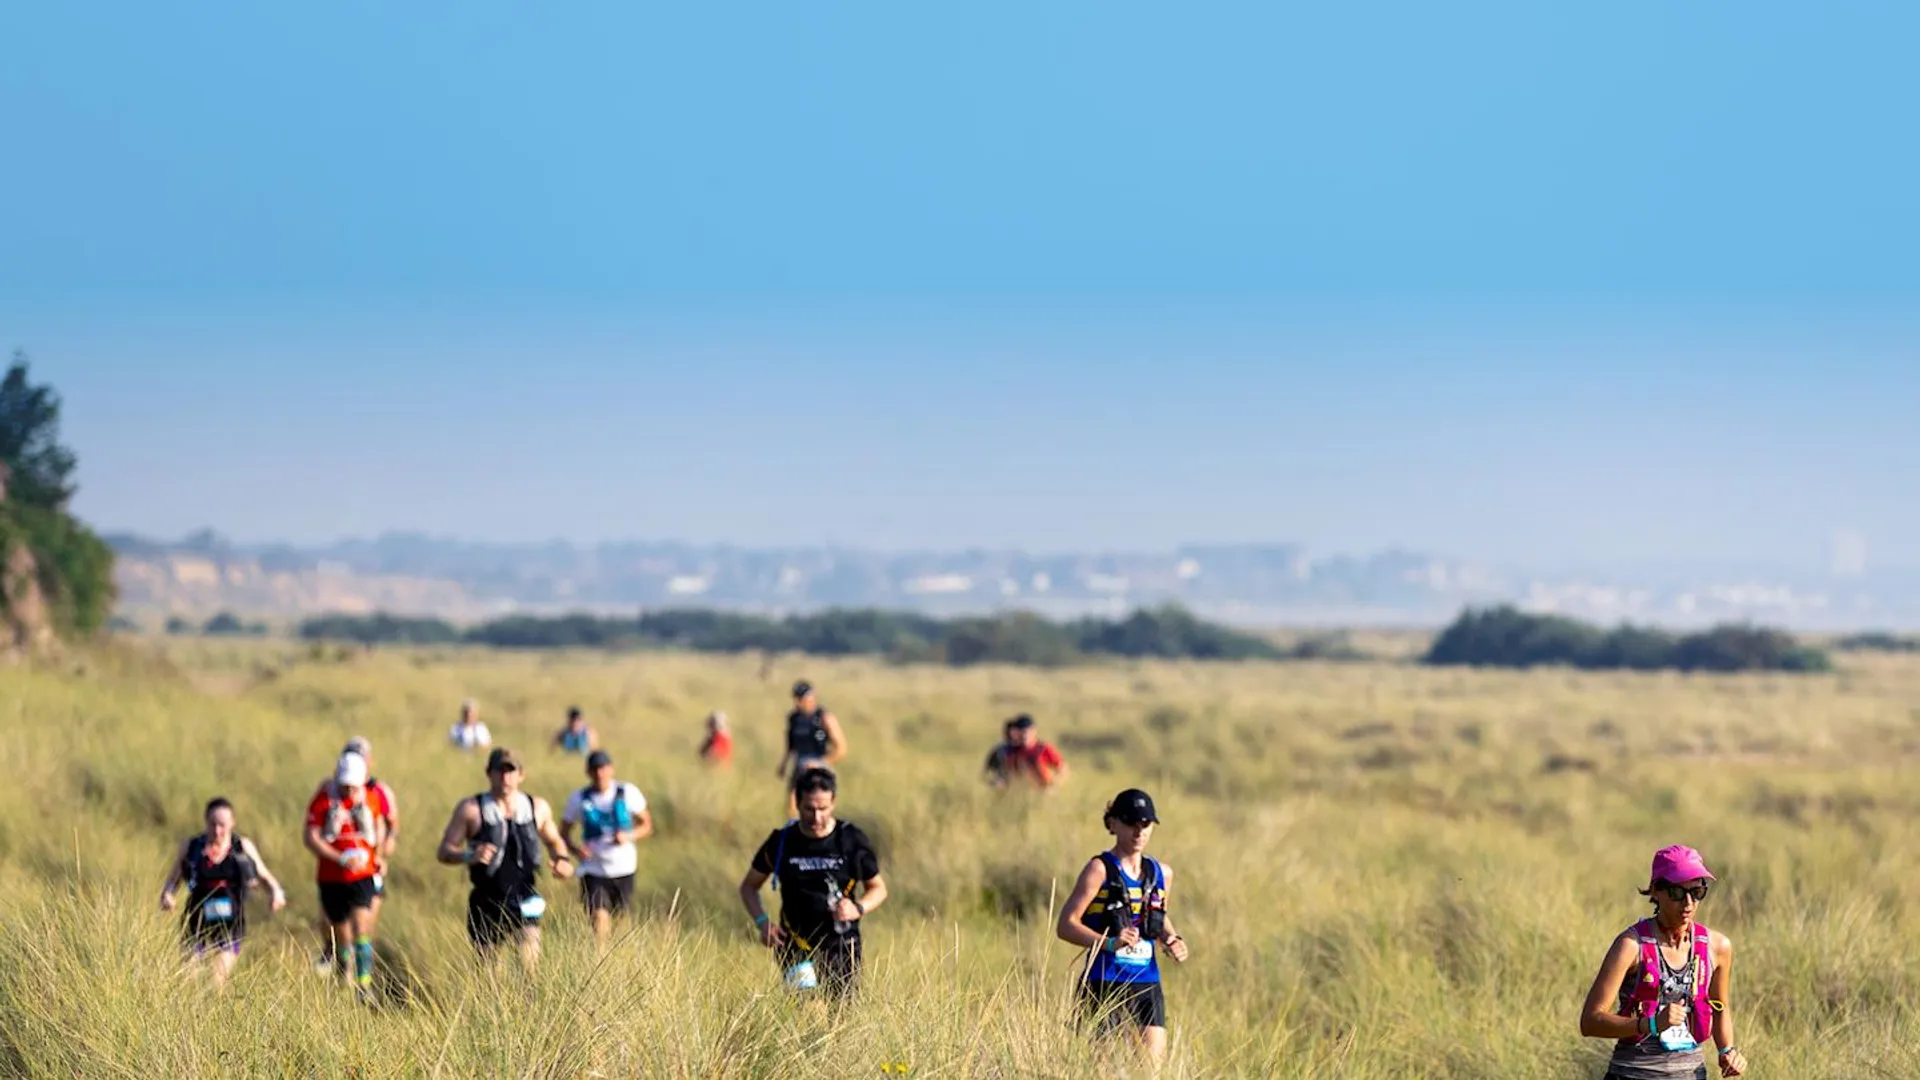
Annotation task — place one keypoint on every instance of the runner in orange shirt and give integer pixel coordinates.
(387, 810)
(344, 833)
(718, 747)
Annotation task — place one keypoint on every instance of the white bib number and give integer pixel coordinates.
(217, 909)
(1138, 954)
(533, 907)
(801, 976)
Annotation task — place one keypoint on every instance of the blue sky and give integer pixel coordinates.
(1513, 280)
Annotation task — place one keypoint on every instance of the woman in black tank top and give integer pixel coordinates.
(218, 868)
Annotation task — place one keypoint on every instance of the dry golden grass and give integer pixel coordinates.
(1384, 871)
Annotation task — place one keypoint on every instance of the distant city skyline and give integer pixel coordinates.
(1504, 282)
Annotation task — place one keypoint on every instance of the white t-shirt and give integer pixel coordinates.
(468, 736)
(594, 812)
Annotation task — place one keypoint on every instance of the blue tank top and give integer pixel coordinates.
(574, 742)
(1139, 963)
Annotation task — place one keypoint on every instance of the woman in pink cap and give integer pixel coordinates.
(1662, 990)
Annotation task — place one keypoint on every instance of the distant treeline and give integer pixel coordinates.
(1014, 638)
(1506, 637)
(1878, 641)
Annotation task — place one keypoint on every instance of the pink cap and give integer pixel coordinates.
(1679, 863)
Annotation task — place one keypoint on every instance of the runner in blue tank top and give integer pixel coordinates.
(1118, 909)
(576, 737)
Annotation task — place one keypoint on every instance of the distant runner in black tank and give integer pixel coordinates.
(814, 740)
(816, 863)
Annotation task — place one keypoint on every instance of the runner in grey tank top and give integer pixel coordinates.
(1661, 993)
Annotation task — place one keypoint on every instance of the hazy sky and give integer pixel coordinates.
(1510, 280)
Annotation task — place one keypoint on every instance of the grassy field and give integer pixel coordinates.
(1383, 870)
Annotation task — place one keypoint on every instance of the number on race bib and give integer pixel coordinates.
(217, 909)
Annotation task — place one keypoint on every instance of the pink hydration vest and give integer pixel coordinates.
(1646, 993)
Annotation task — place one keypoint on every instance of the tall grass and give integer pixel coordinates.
(1383, 870)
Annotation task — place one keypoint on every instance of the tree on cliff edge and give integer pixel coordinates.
(72, 567)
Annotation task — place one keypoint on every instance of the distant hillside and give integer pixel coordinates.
(409, 574)
(1242, 584)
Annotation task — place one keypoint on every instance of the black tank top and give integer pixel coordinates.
(807, 733)
(227, 878)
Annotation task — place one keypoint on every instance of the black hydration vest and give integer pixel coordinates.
(230, 875)
(495, 827)
(1118, 910)
(807, 733)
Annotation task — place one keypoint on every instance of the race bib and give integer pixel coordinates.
(1678, 1039)
(217, 909)
(533, 907)
(801, 976)
(1138, 954)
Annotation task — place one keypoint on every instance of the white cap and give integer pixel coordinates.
(352, 770)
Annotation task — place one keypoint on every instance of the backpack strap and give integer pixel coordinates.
(779, 852)
(1646, 993)
(1701, 1018)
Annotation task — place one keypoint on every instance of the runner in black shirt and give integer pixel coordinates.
(816, 861)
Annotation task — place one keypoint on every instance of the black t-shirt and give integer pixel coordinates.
(808, 870)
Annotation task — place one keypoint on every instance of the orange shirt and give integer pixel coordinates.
(718, 748)
(339, 825)
(1040, 759)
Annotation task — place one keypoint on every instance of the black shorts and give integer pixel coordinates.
(1111, 1004)
(338, 899)
(836, 962)
(493, 919)
(613, 895)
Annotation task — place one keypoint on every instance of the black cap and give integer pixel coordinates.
(597, 759)
(1132, 807)
(1021, 721)
(802, 688)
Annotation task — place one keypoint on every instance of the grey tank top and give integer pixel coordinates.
(1646, 1059)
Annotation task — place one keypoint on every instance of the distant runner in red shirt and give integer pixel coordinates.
(344, 832)
(1023, 755)
(718, 747)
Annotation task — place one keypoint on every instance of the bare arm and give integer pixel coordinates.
(1597, 1017)
(642, 827)
(750, 893)
(873, 894)
(836, 740)
(263, 874)
(460, 827)
(1068, 927)
(543, 821)
(1719, 986)
(174, 875)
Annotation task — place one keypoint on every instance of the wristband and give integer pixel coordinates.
(1725, 1050)
(760, 919)
(860, 907)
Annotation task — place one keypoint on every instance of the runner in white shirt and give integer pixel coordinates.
(612, 815)
(468, 733)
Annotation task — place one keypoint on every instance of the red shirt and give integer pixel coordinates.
(718, 748)
(340, 826)
(1040, 760)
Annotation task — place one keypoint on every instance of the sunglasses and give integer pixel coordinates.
(1678, 893)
